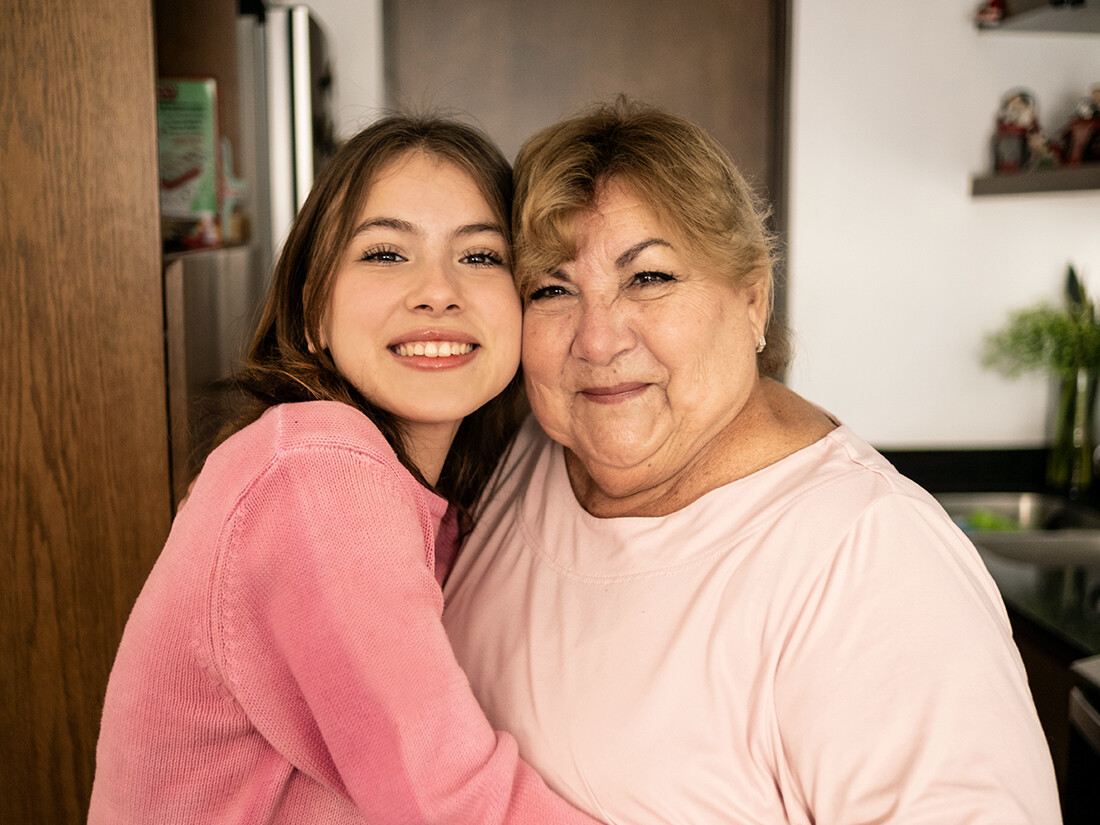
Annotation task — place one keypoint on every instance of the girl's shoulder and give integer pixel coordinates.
(300, 443)
(307, 425)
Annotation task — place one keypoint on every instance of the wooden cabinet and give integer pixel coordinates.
(84, 486)
(720, 63)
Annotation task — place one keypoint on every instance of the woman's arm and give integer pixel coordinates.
(900, 697)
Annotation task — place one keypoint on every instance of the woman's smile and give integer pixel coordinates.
(615, 394)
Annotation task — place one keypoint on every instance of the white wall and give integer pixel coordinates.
(896, 272)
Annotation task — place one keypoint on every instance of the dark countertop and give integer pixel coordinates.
(1087, 673)
(1062, 601)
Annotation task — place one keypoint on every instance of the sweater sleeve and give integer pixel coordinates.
(328, 630)
(900, 697)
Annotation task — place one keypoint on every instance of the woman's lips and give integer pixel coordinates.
(615, 394)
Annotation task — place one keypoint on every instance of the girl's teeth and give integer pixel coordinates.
(434, 349)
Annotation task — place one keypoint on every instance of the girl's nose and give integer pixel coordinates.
(436, 290)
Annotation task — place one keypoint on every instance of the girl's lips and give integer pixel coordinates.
(434, 349)
(439, 362)
(433, 334)
(615, 394)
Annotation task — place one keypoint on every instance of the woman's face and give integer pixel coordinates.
(423, 318)
(636, 356)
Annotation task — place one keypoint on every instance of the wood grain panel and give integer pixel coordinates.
(84, 483)
(514, 66)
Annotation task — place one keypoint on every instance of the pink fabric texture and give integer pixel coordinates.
(814, 643)
(286, 663)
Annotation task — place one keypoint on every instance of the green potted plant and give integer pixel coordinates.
(1065, 343)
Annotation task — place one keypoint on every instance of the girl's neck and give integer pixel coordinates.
(428, 445)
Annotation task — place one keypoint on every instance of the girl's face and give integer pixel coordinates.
(424, 318)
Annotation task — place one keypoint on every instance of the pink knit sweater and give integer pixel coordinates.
(286, 662)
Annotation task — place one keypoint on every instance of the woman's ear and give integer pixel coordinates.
(756, 303)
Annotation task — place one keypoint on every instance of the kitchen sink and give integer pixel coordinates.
(1028, 527)
(1043, 552)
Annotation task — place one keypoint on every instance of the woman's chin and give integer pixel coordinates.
(616, 467)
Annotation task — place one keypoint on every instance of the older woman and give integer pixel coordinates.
(694, 596)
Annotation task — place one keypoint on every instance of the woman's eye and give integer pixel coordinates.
(649, 277)
(382, 255)
(552, 291)
(483, 257)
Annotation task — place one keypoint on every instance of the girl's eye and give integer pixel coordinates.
(647, 278)
(382, 255)
(552, 291)
(483, 257)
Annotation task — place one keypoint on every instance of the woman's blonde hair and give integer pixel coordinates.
(676, 168)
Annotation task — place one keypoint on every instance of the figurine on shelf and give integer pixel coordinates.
(1041, 153)
(990, 14)
(1081, 138)
(1017, 122)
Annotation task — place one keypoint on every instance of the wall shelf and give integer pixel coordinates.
(1041, 16)
(1067, 179)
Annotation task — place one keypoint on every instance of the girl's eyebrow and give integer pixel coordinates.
(399, 225)
(629, 255)
(477, 228)
(396, 224)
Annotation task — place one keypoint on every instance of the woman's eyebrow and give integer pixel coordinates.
(629, 255)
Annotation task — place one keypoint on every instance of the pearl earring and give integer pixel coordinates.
(761, 343)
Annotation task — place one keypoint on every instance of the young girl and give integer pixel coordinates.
(286, 661)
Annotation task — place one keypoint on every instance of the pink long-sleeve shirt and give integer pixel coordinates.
(286, 662)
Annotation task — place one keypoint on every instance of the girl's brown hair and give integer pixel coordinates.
(674, 166)
(282, 367)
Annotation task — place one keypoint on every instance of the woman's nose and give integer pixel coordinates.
(602, 332)
(436, 290)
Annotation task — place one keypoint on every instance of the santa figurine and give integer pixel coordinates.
(990, 14)
(1081, 138)
(1017, 122)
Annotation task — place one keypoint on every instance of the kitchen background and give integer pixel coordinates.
(895, 270)
(868, 122)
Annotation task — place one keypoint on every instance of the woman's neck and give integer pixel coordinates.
(775, 423)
